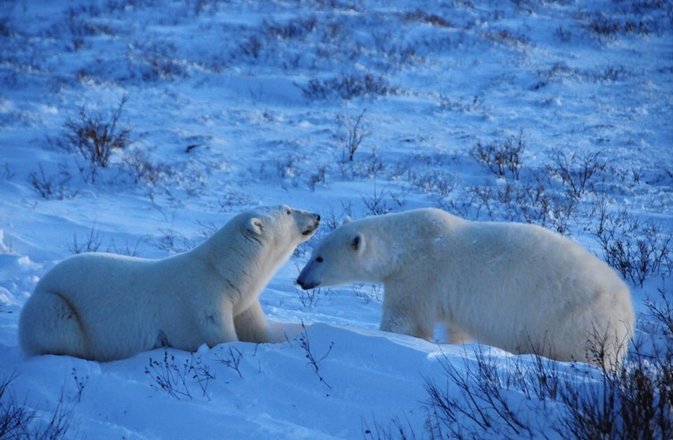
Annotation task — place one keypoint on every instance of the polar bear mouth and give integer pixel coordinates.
(312, 226)
(309, 231)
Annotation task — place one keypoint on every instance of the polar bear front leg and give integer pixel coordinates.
(455, 334)
(218, 327)
(251, 324)
(401, 315)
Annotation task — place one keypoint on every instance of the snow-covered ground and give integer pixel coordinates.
(235, 104)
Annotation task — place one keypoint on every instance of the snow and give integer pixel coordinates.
(237, 104)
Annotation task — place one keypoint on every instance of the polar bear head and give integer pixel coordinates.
(278, 227)
(345, 255)
(264, 237)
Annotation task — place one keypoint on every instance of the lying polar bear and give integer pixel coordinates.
(105, 306)
(515, 286)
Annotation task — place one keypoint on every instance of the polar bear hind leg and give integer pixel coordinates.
(50, 325)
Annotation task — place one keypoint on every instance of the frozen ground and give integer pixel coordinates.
(234, 104)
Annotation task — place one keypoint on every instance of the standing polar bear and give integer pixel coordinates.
(106, 307)
(515, 286)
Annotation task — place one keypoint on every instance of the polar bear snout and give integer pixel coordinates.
(305, 282)
(308, 278)
(312, 225)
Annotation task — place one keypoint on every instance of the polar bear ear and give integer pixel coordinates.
(358, 243)
(346, 220)
(254, 226)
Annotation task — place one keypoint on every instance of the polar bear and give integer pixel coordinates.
(106, 307)
(515, 286)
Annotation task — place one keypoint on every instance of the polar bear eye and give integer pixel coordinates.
(288, 211)
(319, 260)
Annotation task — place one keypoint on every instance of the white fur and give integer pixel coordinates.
(105, 306)
(515, 286)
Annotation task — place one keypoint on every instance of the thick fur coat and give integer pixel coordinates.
(106, 306)
(519, 287)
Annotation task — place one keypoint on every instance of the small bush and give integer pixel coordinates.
(369, 166)
(635, 401)
(423, 17)
(368, 293)
(377, 204)
(662, 311)
(18, 421)
(95, 136)
(486, 399)
(312, 360)
(91, 243)
(14, 418)
(7, 28)
(437, 183)
(563, 34)
(6, 173)
(354, 132)
(176, 379)
(297, 28)
(233, 360)
(476, 104)
(319, 177)
(506, 37)
(347, 87)
(502, 159)
(125, 249)
(531, 202)
(156, 61)
(252, 47)
(143, 169)
(474, 403)
(578, 172)
(611, 27)
(172, 241)
(637, 250)
(396, 430)
(309, 298)
(51, 187)
(610, 74)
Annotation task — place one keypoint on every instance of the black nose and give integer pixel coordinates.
(317, 217)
